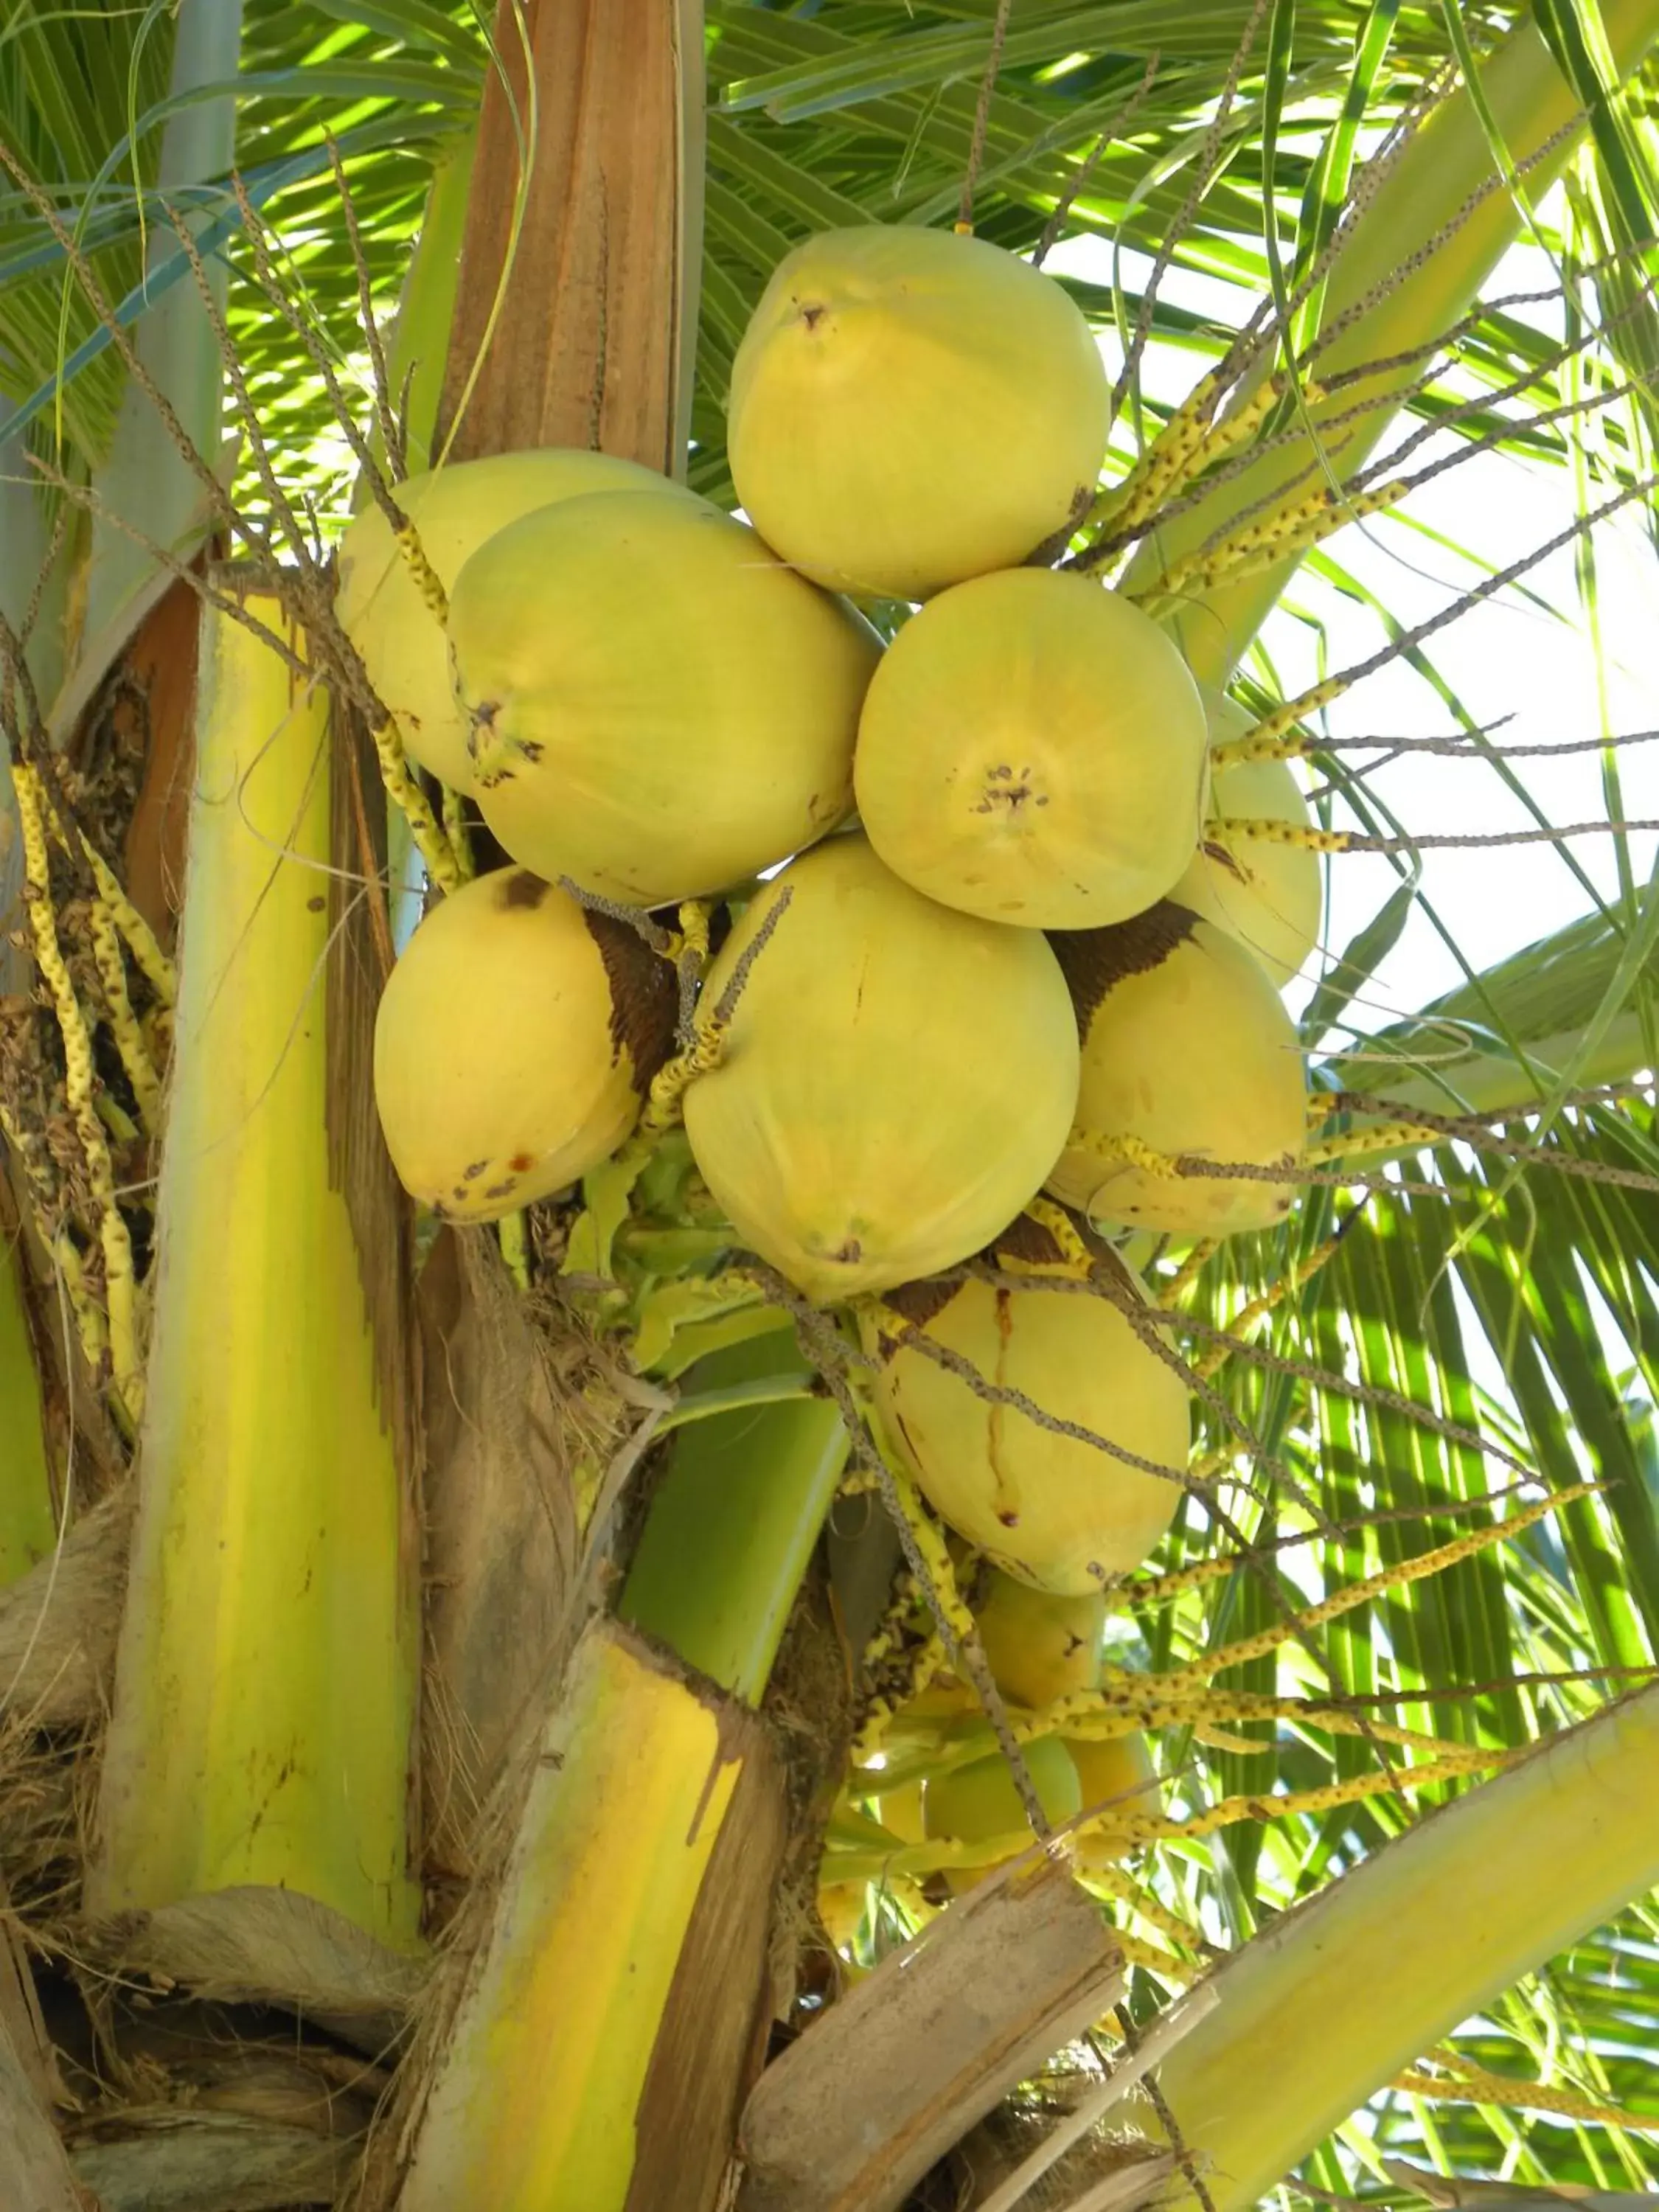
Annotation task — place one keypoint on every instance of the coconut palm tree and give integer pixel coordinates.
(442, 1688)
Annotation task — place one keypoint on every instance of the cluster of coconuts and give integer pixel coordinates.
(964, 1818)
(1017, 950)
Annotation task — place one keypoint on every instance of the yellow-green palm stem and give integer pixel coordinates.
(1448, 161)
(27, 1523)
(734, 1519)
(267, 1667)
(534, 2108)
(1349, 1987)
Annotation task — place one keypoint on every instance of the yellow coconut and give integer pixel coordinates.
(1188, 1051)
(910, 407)
(932, 1712)
(1052, 1509)
(514, 1041)
(1113, 1767)
(1118, 1774)
(1269, 897)
(979, 1804)
(841, 1909)
(453, 509)
(1032, 749)
(898, 1079)
(659, 707)
(1039, 1647)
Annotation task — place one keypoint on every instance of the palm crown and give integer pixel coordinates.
(1424, 1532)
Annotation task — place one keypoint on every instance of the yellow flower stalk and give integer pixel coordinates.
(266, 1673)
(1450, 161)
(1334, 1999)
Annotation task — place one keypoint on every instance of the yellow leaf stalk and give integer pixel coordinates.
(569, 2077)
(267, 1667)
(1332, 2000)
(535, 2108)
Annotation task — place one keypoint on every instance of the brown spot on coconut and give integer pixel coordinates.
(520, 888)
